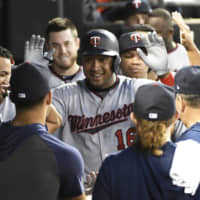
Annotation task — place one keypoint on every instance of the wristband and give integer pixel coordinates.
(168, 80)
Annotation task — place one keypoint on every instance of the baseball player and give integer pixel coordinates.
(188, 99)
(7, 108)
(187, 88)
(142, 171)
(95, 111)
(62, 36)
(34, 164)
(131, 63)
(161, 20)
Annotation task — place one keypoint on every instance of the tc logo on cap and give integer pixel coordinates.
(135, 37)
(136, 3)
(95, 41)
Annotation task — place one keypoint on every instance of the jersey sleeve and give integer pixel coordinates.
(102, 188)
(59, 99)
(70, 166)
(71, 169)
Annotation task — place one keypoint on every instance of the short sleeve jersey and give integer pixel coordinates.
(36, 165)
(97, 126)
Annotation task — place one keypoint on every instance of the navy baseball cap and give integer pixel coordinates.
(131, 40)
(137, 6)
(154, 102)
(27, 83)
(187, 80)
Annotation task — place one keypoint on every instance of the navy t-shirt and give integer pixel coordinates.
(132, 174)
(193, 133)
(36, 165)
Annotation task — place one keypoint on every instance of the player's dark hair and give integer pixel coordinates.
(28, 105)
(60, 24)
(5, 53)
(165, 15)
(151, 135)
(193, 100)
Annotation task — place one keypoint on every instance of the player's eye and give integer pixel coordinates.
(56, 46)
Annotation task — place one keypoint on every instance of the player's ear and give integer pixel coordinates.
(78, 43)
(134, 120)
(48, 98)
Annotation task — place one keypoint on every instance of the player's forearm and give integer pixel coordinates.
(53, 120)
(194, 57)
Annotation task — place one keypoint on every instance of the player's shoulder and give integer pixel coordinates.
(60, 148)
(125, 80)
(192, 133)
(117, 157)
(70, 87)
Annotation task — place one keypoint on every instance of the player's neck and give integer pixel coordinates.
(171, 45)
(191, 117)
(27, 117)
(65, 71)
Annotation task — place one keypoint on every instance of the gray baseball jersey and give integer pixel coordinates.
(96, 126)
(7, 110)
(57, 80)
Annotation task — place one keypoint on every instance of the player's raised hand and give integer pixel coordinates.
(156, 57)
(33, 51)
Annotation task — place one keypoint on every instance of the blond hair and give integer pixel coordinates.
(152, 134)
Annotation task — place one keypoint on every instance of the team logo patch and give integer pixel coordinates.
(95, 41)
(153, 115)
(136, 3)
(135, 37)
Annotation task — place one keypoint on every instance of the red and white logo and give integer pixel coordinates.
(135, 37)
(95, 41)
(136, 3)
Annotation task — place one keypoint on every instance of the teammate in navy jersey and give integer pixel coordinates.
(142, 170)
(187, 87)
(34, 164)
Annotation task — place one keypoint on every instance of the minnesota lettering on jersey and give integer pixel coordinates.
(94, 124)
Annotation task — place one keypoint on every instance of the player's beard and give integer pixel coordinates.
(65, 66)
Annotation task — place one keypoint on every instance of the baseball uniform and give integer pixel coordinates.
(95, 125)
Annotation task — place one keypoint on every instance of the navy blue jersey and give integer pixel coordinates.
(35, 165)
(132, 174)
(192, 133)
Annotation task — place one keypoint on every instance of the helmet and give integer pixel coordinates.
(101, 42)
